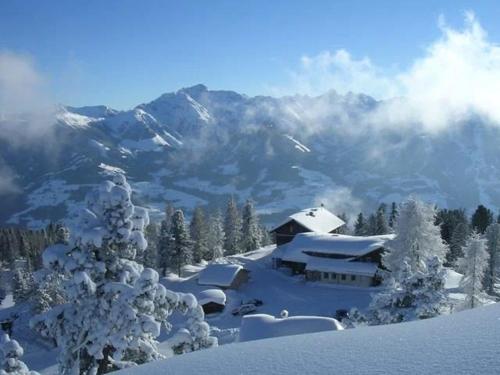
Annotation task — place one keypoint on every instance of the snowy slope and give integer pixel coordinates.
(198, 146)
(464, 343)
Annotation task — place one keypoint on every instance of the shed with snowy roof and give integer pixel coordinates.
(212, 300)
(334, 258)
(225, 276)
(316, 219)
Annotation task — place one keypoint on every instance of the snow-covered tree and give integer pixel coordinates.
(265, 236)
(180, 248)
(23, 285)
(198, 229)
(415, 295)
(196, 335)
(474, 264)
(250, 238)
(165, 239)
(232, 228)
(216, 235)
(418, 238)
(492, 280)
(114, 306)
(11, 363)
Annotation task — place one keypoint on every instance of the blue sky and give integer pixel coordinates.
(122, 53)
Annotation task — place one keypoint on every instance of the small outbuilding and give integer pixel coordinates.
(224, 276)
(212, 300)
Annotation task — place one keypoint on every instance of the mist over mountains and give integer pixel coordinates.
(197, 146)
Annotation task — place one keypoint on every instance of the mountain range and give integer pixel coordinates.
(198, 147)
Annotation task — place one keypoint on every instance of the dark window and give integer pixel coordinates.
(325, 275)
(353, 277)
(334, 275)
(342, 277)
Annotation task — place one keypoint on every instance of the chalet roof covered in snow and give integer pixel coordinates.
(212, 295)
(221, 275)
(263, 326)
(325, 243)
(341, 266)
(316, 219)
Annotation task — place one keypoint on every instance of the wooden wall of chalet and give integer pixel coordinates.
(287, 231)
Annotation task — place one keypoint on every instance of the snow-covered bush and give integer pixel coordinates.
(11, 353)
(115, 307)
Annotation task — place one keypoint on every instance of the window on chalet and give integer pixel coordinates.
(353, 277)
(334, 275)
(343, 276)
(325, 275)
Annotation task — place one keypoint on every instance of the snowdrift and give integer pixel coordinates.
(463, 343)
(263, 326)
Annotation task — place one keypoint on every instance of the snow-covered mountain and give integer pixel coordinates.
(198, 146)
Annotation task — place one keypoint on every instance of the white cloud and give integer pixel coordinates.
(458, 75)
(26, 109)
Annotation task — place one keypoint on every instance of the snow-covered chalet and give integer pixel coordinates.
(334, 258)
(316, 219)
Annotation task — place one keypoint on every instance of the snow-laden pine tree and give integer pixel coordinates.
(417, 240)
(265, 237)
(415, 295)
(232, 228)
(492, 279)
(180, 248)
(216, 235)
(23, 285)
(115, 307)
(198, 230)
(250, 237)
(49, 284)
(11, 363)
(481, 219)
(474, 264)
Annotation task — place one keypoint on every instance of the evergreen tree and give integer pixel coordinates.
(180, 249)
(381, 226)
(251, 229)
(481, 219)
(150, 256)
(198, 229)
(216, 236)
(360, 225)
(232, 229)
(114, 306)
(457, 243)
(474, 264)
(492, 280)
(418, 238)
(165, 239)
(265, 237)
(11, 363)
(393, 215)
(371, 225)
(23, 285)
(414, 295)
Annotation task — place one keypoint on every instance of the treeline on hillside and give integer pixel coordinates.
(21, 243)
(174, 243)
